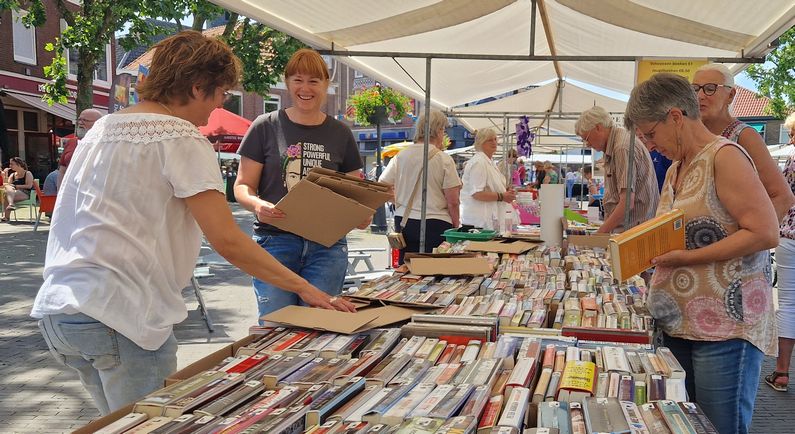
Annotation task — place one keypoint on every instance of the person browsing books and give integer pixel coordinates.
(484, 195)
(444, 185)
(114, 273)
(715, 90)
(276, 153)
(785, 259)
(598, 132)
(712, 301)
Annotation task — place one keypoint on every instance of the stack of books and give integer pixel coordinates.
(393, 380)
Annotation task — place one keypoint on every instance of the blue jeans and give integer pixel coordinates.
(570, 187)
(722, 377)
(113, 369)
(321, 266)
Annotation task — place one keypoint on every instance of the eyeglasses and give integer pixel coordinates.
(708, 88)
(85, 120)
(585, 140)
(650, 135)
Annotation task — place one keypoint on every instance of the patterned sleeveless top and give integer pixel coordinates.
(733, 130)
(717, 301)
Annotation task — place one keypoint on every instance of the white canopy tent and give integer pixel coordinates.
(577, 33)
(467, 50)
(556, 127)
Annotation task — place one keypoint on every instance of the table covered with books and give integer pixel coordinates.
(545, 342)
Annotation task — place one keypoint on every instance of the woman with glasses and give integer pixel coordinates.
(712, 301)
(715, 91)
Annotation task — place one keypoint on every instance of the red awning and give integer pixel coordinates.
(225, 127)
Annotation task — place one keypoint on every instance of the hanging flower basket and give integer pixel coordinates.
(376, 105)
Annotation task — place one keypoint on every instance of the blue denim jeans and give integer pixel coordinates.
(722, 377)
(113, 369)
(321, 266)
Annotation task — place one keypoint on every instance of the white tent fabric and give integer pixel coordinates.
(572, 99)
(649, 28)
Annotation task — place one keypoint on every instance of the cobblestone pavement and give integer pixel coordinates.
(39, 396)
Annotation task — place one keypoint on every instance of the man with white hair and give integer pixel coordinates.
(597, 130)
(85, 121)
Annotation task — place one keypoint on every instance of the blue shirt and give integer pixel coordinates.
(661, 165)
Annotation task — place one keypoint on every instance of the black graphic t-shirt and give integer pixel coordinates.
(289, 158)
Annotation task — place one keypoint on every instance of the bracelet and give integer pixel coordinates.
(499, 197)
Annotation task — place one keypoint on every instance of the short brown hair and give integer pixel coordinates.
(187, 59)
(306, 61)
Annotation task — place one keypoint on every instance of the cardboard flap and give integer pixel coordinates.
(363, 194)
(339, 322)
(449, 266)
(318, 214)
(515, 247)
(322, 319)
(317, 172)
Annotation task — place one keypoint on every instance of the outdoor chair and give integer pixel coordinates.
(46, 205)
(29, 202)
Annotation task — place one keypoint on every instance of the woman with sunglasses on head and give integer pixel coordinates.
(715, 91)
(712, 301)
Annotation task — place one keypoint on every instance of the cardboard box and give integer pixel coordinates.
(594, 240)
(447, 264)
(208, 362)
(104, 420)
(515, 247)
(340, 322)
(326, 205)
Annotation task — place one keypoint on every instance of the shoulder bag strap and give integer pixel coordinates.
(431, 153)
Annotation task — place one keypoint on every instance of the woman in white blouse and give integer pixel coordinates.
(484, 196)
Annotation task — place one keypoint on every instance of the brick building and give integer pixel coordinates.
(32, 125)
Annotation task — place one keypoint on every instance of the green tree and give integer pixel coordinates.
(263, 51)
(776, 77)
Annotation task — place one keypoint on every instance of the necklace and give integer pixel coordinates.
(166, 107)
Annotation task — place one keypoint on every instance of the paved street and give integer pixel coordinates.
(39, 396)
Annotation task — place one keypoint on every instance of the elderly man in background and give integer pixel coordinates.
(597, 130)
(84, 123)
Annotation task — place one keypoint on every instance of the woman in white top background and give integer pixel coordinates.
(141, 188)
(484, 196)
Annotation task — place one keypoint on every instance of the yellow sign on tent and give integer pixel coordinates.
(645, 68)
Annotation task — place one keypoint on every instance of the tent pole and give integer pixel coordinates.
(425, 145)
(533, 7)
(630, 180)
(505, 138)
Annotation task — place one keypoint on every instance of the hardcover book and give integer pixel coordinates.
(631, 252)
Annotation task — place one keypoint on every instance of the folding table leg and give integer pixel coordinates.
(202, 307)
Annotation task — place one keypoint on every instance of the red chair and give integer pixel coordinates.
(46, 205)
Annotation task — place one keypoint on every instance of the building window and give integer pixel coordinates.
(271, 103)
(783, 134)
(759, 127)
(72, 61)
(234, 102)
(12, 123)
(24, 39)
(30, 120)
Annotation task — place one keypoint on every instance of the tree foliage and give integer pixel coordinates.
(776, 77)
(264, 52)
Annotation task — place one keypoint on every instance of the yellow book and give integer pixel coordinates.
(631, 252)
(578, 381)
